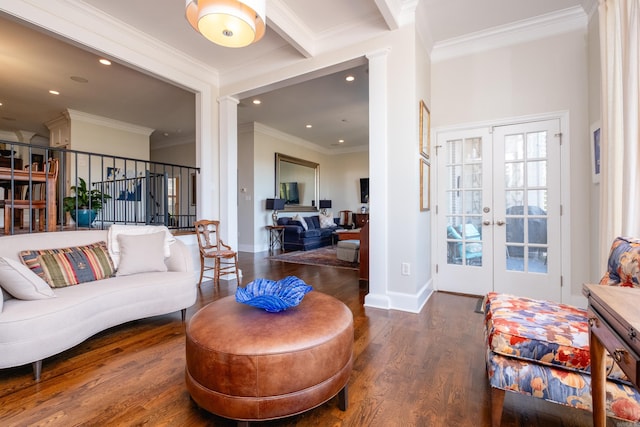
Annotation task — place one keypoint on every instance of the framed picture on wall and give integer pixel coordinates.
(425, 130)
(425, 187)
(595, 151)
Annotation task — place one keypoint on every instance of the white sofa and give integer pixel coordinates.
(31, 331)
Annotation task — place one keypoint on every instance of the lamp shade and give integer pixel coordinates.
(275, 204)
(230, 23)
(325, 204)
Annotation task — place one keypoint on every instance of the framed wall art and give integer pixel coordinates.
(425, 130)
(425, 185)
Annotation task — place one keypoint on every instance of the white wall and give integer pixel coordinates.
(251, 209)
(106, 136)
(530, 78)
(342, 186)
(596, 268)
(424, 243)
(175, 154)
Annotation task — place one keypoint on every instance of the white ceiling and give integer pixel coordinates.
(32, 62)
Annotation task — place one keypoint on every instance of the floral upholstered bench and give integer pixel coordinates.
(541, 348)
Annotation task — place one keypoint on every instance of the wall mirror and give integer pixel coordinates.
(297, 182)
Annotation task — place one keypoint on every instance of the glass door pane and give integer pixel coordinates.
(525, 183)
(464, 198)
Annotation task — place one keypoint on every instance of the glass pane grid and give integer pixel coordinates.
(464, 199)
(526, 202)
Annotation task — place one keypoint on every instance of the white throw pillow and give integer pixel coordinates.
(141, 253)
(116, 229)
(326, 221)
(297, 217)
(22, 283)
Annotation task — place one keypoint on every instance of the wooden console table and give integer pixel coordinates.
(614, 325)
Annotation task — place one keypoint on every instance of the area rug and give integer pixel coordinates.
(325, 256)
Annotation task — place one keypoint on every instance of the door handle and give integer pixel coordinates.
(500, 222)
(486, 222)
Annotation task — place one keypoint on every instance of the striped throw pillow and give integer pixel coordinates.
(70, 266)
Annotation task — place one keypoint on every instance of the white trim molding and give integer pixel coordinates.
(543, 26)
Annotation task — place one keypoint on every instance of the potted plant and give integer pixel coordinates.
(84, 204)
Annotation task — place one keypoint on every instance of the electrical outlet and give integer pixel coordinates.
(406, 269)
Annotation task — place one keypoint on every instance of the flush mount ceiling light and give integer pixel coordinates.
(230, 23)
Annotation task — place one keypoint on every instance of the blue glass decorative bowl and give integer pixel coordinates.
(273, 296)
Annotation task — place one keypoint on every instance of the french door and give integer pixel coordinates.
(498, 219)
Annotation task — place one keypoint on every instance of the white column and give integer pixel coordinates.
(229, 170)
(378, 182)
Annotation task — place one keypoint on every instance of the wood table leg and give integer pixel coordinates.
(598, 378)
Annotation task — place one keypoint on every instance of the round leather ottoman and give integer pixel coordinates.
(247, 364)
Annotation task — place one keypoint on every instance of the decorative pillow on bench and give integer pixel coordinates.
(70, 266)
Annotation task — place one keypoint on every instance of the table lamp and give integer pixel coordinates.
(275, 205)
(324, 205)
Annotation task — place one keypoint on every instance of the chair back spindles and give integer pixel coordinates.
(212, 247)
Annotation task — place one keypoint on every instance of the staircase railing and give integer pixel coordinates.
(135, 191)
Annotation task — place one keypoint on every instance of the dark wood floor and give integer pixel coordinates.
(422, 369)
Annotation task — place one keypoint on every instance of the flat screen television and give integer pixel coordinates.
(289, 192)
(364, 190)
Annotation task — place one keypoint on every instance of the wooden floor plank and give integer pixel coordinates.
(423, 369)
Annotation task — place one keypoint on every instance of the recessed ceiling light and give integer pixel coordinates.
(54, 92)
(350, 78)
(341, 141)
(0, 104)
(166, 134)
(309, 126)
(105, 61)
(79, 79)
(257, 102)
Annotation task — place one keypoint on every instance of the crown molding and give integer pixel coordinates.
(259, 127)
(543, 26)
(111, 123)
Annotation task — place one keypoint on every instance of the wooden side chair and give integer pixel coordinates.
(346, 219)
(18, 193)
(36, 201)
(212, 247)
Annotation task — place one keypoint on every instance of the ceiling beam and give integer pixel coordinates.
(397, 13)
(390, 11)
(287, 25)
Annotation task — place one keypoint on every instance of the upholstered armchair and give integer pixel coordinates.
(541, 348)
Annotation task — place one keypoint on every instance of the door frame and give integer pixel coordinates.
(565, 186)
